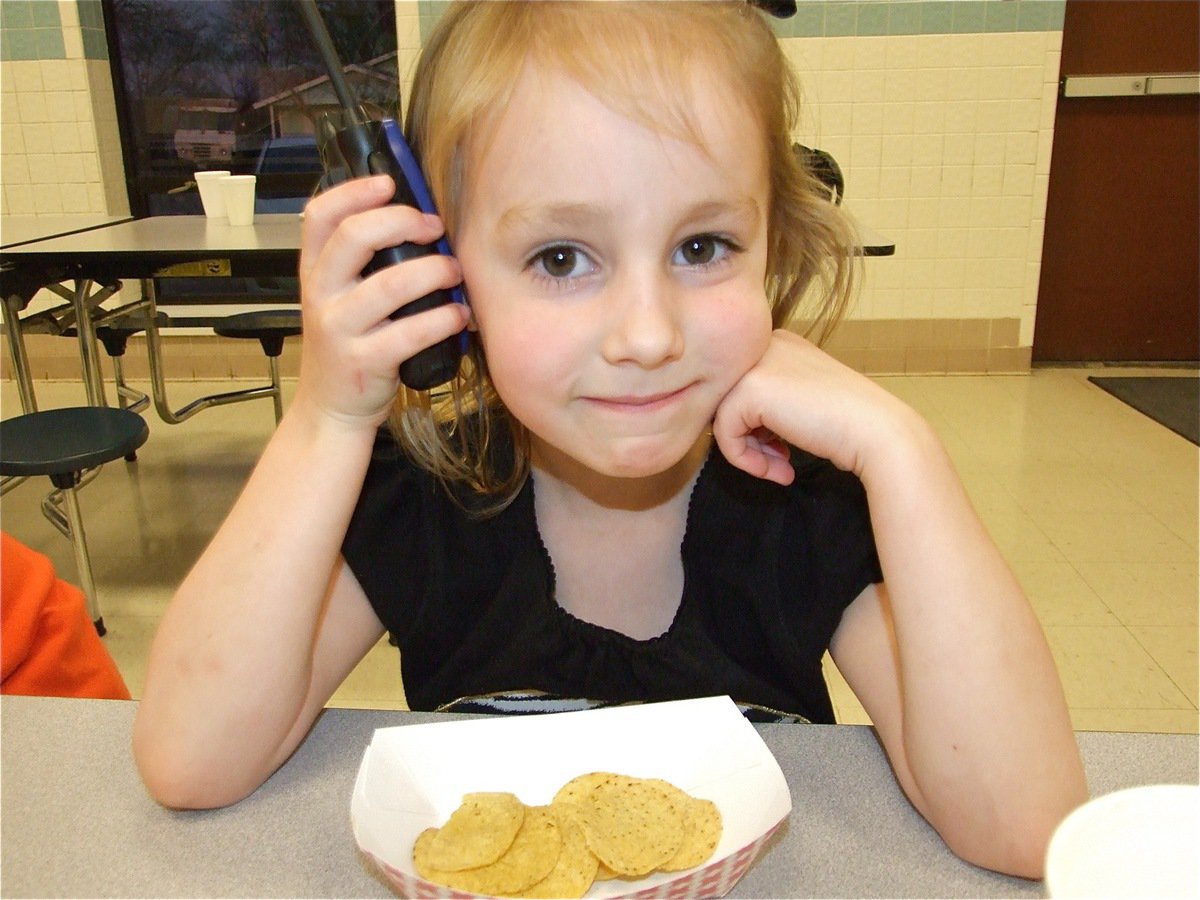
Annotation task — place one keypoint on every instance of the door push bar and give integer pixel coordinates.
(1155, 85)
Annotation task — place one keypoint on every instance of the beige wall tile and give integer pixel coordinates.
(924, 359)
(884, 360)
(966, 360)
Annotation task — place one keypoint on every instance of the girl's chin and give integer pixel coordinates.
(632, 459)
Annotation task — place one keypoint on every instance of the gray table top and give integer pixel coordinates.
(23, 229)
(163, 246)
(171, 234)
(75, 820)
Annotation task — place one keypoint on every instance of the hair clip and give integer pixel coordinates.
(781, 9)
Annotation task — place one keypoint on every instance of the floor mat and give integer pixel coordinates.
(1170, 401)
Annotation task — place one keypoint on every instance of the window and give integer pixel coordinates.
(238, 85)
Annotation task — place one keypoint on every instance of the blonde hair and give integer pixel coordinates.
(638, 58)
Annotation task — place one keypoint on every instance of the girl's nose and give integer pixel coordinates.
(644, 327)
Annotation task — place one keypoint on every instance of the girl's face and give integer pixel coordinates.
(615, 274)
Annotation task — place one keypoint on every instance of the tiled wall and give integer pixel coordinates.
(945, 140)
(940, 113)
(61, 150)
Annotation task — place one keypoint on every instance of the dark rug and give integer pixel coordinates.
(1170, 401)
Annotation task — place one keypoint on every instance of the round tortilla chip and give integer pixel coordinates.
(633, 827)
(531, 857)
(581, 786)
(576, 868)
(477, 833)
(702, 833)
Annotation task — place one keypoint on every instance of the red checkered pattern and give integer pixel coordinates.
(714, 880)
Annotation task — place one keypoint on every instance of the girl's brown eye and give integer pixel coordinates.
(559, 262)
(698, 250)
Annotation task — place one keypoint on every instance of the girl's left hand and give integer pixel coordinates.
(800, 395)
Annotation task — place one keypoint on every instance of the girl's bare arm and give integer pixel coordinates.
(946, 656)
(269, 621)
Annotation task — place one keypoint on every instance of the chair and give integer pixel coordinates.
(63, 443)
(270, 328)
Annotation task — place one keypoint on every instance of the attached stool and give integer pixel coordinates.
(62, 443)
(270, 328)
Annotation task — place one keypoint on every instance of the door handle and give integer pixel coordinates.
(1149, 85)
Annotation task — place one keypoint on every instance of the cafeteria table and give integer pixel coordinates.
(144, 249)
(19, 285)
(75, 820)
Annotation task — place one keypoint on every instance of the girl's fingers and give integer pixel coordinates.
(344, 229)
(324, 213)
(756, 451)
(384, 292)
(359, 237)
(409, 336)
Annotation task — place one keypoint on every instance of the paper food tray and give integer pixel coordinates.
(413, 777)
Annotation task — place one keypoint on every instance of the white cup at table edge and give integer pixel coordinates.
(1135, 842)
(209, 184)
(238, 192)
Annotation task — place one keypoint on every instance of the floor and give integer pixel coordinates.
(1094, 506)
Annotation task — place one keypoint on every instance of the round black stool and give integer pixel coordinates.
(63, 443)
(270, 328)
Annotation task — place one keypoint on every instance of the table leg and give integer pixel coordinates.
(88, 353)
(16, 348)
(159, 382)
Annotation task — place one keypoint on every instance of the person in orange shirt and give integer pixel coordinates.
(48, 645)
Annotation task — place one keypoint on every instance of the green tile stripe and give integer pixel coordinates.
(30, 29)
(429, 12)
(91, 22)
(848, 18)
(33, 29)
(844, 18)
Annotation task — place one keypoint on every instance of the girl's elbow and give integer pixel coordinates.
(1017, 844)
(177, 782)
(173, 788)
(1019, 854)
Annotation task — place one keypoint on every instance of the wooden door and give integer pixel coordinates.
(1120, 262)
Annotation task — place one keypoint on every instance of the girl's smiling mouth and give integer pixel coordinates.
(636, 403)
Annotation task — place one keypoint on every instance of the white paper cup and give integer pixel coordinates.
(1139, 842)
(238, 191)
(209, 183)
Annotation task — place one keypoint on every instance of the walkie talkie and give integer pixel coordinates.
(377, 147)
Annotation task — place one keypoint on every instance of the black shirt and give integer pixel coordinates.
(470, 603)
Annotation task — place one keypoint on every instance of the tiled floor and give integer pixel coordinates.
(1094, 505)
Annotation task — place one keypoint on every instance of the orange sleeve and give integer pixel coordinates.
(48, 645)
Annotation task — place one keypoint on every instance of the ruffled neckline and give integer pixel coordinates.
(601, 634)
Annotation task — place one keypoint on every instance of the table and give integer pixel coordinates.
(76, 821)
(155, 247)
(19, 285)
(874, 243)
(16, 230)
(147, 248)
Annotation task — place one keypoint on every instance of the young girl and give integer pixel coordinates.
(641, 487)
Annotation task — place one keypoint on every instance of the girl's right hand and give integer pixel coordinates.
(351, 352)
